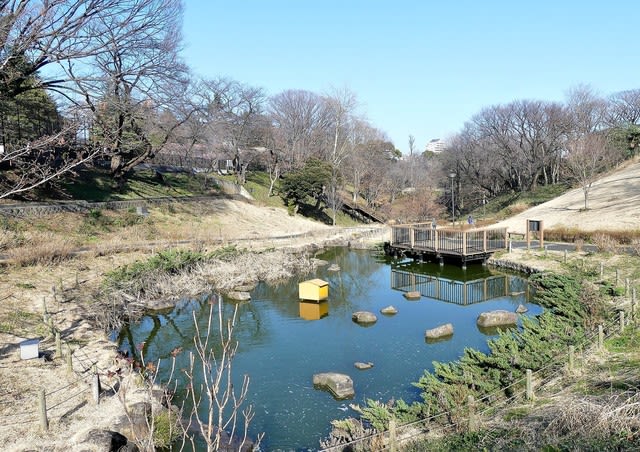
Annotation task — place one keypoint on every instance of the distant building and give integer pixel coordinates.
(436, 146)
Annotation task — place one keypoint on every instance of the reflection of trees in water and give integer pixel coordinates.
(160, 333)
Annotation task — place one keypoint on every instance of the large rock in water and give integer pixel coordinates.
(239, 296)
(340, 385)
(412, 295)
(364, 317)
(439, 331)
(497, 318)
(389, 310)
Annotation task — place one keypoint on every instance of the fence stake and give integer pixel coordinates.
(58, 345)
(44, 422)
(600, 337)
(45, 314)
(626, 287)
(95, 386)
(617, 276)
(572, 351)
(565, 256)
(621, 321)
(69, 360)
(473, 423)
(601, 269)
(393, 440)
(529, 384)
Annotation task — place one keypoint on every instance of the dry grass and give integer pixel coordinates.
(598, 417)
(40, 248)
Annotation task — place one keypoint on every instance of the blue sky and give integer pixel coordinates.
(418, 67)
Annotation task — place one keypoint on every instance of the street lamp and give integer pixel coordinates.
(453, 202)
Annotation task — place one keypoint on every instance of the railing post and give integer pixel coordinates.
(412, 233)
(464, 243)
(484, 240)
(529, 393)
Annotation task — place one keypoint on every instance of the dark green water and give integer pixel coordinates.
(281, 351)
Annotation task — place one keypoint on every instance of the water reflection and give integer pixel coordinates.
(281, 349)
(313, 310)
(458, 292)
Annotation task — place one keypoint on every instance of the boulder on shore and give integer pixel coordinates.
(364, 317)
(340, 385)
(521, 309)
(413, 295)
(497, 318)
(389, 310)
(439, 331)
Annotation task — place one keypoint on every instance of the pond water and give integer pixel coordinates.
(282, 342)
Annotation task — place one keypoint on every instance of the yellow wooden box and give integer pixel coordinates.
(314, 290)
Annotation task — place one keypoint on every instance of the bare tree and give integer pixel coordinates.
(588, 155)
(225, 422)
(624, 108)
(341, 106)
(300, 117)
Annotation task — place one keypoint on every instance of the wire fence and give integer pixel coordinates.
(42, 406)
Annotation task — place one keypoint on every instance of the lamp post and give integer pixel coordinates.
(453, 202)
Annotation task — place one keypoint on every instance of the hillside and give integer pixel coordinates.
(614, 204)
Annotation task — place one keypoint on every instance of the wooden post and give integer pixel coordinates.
(95, 386)
(58, 345)
(633, 305)
(529, 393)
(622, 321)
(565, 256)
(473, 422)
(69, 360)
(42, 405)
(572, 351)
(600, 337)
(393, 440)
(617, 276)
(601, 269)
(626, 287)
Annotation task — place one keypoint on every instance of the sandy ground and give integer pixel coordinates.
(614, 204)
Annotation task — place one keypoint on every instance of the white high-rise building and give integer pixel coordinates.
(436, 146)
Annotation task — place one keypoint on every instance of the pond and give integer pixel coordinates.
(283, 343)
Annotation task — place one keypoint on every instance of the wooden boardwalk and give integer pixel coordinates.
(422, 241)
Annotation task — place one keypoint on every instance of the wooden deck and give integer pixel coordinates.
(421, 241)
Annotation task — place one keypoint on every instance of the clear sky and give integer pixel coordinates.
(418, 67)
